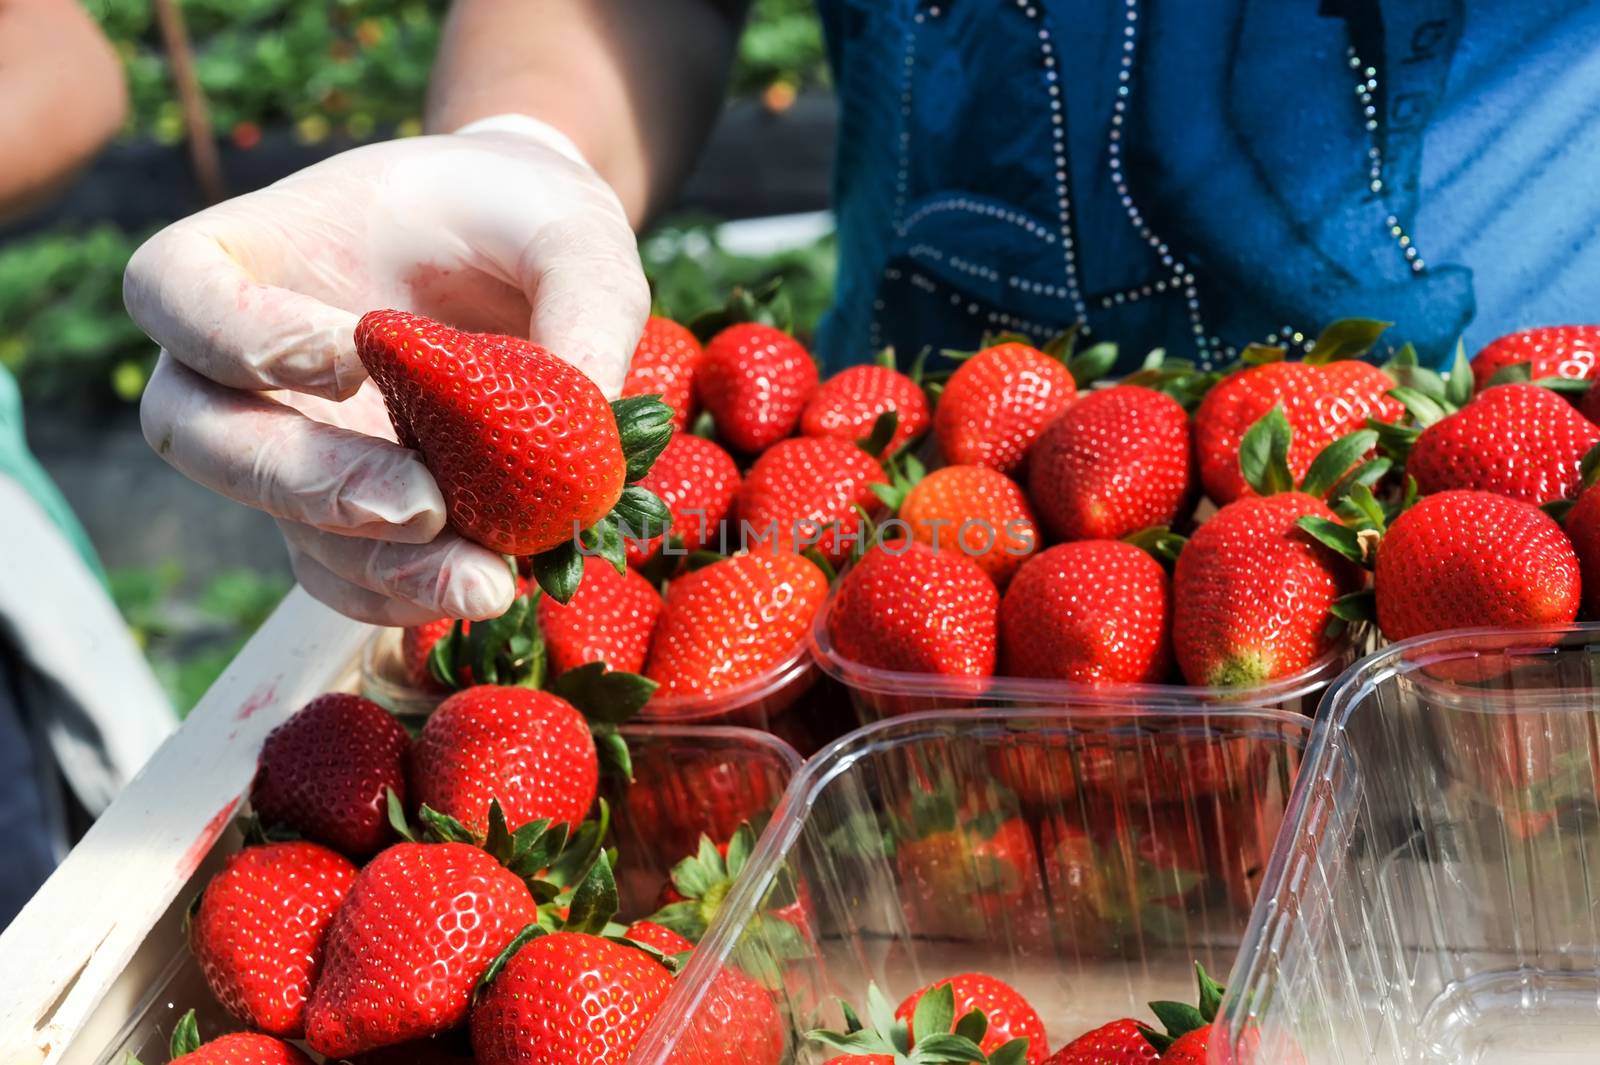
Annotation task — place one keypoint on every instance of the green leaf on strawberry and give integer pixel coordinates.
(1347, 338)
(933, 1034)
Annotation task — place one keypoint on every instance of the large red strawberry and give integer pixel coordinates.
(421, 924)
(1468, 559)
(1118, 1043)
(848, 404)
(418, 643)
(973, 511)
(1115, 462)
(1549, 351)
(696, 480)
(1583, 528)
(664, 364)
(610, 619)
(1252, 593)
(805, 492)
(327, 771)
(755, 380)
(1091, 612)
(238, 1048)
(909, 608)
(736, 1022)
(1010, 1015)
(733, 620)
(1518, 440)
(258, 930)
(1322, 404)
(524, 446)
(997, 403)
(531, 750)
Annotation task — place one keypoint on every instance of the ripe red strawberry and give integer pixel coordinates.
(258, 931)
(1118, 1043)
(997, 403)
(931, 1030)
(1252, 593)
(909, 608)
(1519, 440)
(568, 998)
(1468, 559)
(848, 405)
(1115, 462)
(610, 619)
(1010, 1015)
(420, 925)
(243, 1048)
(1322, 403)
(1091, 612)
(974, 511)
(731, 621)
(1550, 351)
(664, 364)
(529, 749)
(327, 771)
(1583, 527)
(756, 381)
(418, 641)
(696, 480)
(523, 445)
(1193, 1048)
(737, 1022)
(799, 488)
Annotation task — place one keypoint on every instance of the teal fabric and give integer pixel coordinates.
(18, 463)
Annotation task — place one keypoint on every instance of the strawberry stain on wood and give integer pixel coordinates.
(195, 854)
(259, 700)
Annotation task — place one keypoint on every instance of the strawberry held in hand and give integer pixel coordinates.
(523, 445)
(259, 926)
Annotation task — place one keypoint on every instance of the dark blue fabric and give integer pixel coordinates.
(1198, 175)
(26, 854)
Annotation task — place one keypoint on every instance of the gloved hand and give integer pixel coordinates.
(258, 394)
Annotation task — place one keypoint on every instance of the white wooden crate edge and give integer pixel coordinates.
(66, 949)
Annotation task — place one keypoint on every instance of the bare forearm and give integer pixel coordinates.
(635, 83)
(64, 97)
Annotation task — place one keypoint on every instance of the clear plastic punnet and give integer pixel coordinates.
(879, 693)
(1434, 898)
(1088, 856)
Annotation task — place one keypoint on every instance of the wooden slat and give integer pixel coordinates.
(64, 951)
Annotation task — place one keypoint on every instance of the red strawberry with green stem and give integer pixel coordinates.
(697, 481)
(325, 773)
(445, 655)
(1570, 352)
(880, 616)
(755, 379)
(968, 510)
(1117, 461)
(808, 492)
(1010, 1018)
(929, 1032)
(523, 445)
(848, 405)
(1092, 612)
(998, 401)
(238, 1048)
(257, 930)
(1187, 1038)
(610, 619)
(664, 364)
(1119, 1043)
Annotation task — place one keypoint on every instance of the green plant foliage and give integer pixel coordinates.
(782, 45)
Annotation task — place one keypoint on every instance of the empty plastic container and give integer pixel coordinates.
(1435, 895)
(1087, 856)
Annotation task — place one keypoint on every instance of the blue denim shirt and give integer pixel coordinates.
(1198, 174)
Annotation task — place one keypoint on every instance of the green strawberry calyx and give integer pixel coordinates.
(1159, 542)
(1333, 473)
(1181, 379)
(644, 424)
(933, 1035)
(607, 698)
(508, 650)
(1180, 1018)
(766, 305)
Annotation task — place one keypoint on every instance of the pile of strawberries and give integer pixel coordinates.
(443, 899)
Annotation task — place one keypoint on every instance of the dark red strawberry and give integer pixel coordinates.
(610, 620)
(664, 364)
(1010, 1015)
(531, 750)
(1590, 404)
(755, 380)
(976, 512)
(1322, 404)
(803, 493)
(732, 621)
(238, 1048)
(1549, 351)
(524, 446)
(421, 924)
(997, 403)
(848, 404)
(1518, 440)
(258, 930)
(1118, 1043)
(327, 771)
(909, 608)
(1092, 612)
(696, 480)
(1115, 462)
(1464, 559)
(1253, 593)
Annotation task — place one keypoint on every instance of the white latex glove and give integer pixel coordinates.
(258, 395)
